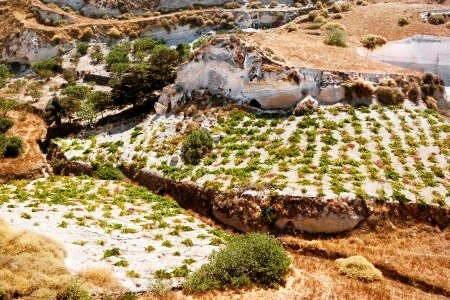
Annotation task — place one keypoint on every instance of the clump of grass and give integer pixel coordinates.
(34, 266)
(358, 89)
(335, 35)
(371, 41)
(390, 95)
(402, 21)
(248, 259)
(358, 267)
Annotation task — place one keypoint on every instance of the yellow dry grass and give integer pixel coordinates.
(99, 277)
(31, 265)
(314, 278)
(358, 267)
(420, 252)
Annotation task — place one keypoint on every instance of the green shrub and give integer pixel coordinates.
(247, 259)
(335, 35)
(82, 48)
(46, 68)
(117, 55)
(108, 172)
(390, 95)
(70, 75)
(73, 292)
(371, 41)
(10, 146)
(5, 124)
(76, 91)
(4, 74)
(145, 44)
(196, 145)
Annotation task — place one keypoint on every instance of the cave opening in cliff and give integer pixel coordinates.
(255, 103)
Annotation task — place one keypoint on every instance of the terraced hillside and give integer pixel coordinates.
(114, 225)
(212, 149)
(389, 153)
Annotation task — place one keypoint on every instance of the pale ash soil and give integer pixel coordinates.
(391, 154)
(89, 216)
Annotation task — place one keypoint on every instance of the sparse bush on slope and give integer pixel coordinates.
(250, 259)
(5, 124)
(358, 267)
(46, 68)
(196, 145)
(371, 41)
(10, 146)
(390, 95)
(335, 35)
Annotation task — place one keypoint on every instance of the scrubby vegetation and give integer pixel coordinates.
(358, 267)
(372, 41)
(250, 259)
(34, 265)
(46, 68)
(390, 95)
(10, 146)
(335, 35)
(4, 75)
(196, 145)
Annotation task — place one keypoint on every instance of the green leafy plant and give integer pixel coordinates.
(247, 259)
(196, 145)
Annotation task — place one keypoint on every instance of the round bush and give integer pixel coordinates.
(248, 259)
(358, 267)
(335, 35)
(390, 95)
(10, 146)
(196, 145)
(5, 124)
(82, 48)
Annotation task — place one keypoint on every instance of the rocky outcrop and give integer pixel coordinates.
(114, 8)
(231, 68)
(28, 47)
(50, 17)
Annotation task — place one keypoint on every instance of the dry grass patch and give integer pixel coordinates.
(31, 265)
(417, 251)
(358, 267)
(100, 277)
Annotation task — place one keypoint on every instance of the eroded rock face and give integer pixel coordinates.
(233, 69)
(230, 68)
(28, 47)
(99, 8)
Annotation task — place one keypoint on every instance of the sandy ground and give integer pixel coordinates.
(298, 48)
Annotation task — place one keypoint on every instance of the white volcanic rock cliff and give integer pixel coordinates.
(231, 68)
